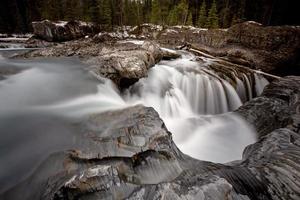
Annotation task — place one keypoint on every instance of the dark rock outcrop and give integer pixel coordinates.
(129, 154)
(63, 31)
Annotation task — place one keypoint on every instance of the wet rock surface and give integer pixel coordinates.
(129, 154)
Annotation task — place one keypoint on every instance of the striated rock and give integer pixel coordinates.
(276, 106)
(63, 31)
(275, 159)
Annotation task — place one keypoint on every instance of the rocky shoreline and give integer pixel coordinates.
(272, 49)
(139, 160)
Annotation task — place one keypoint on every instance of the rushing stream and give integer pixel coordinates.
(39, 104)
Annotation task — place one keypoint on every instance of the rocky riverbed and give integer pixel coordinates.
(129, 153)
(139, 160)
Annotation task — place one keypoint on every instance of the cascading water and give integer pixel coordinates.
(193, 100)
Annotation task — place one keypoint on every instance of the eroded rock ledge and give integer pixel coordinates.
(273, 49)
(124, 62)
(129, 154)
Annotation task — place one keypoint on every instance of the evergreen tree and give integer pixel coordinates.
(137, 10)
(106, 12)
(70, 11)
(212, 19)
(155, 12)
(241, 11)
(190, 20)
(165, 6)
(202, 15)
(225, 14)
(172, 17)
(182, 11)
(94, 11)
(51, 10)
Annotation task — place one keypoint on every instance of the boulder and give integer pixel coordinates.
(63, 31)
(122, 61)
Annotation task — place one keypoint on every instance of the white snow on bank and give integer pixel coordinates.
(61, 23)
(10, 39)
(168, 50)
(253, 22)
(154, 27)
(137, 42)
(117, 35)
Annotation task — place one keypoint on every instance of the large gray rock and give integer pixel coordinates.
(275, 108)
(63, 31)
(123, 62)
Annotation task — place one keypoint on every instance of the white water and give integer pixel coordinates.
(193, 101)
(190, 99)
(38, 103)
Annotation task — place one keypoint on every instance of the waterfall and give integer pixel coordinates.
(173, 92)
(195, 103)
(194, 100)
(260, 83)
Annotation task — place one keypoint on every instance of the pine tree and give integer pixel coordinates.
(155, 12)
(225, 15)
(182, 11)
(172, 17)
(70, 13)
(190, 20)
(202, 15)
(165, 10)
(105, 12)
(241, 11)
(213, 20)
(94, 11)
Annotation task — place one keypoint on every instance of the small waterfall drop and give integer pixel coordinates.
(177, 88)
(195, 103)
(260, 83)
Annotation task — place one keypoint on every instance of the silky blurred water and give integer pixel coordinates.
(39, 104)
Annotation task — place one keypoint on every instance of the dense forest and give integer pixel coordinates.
(16, 15)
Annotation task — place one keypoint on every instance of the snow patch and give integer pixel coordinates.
(168, 50)
(137, 42)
